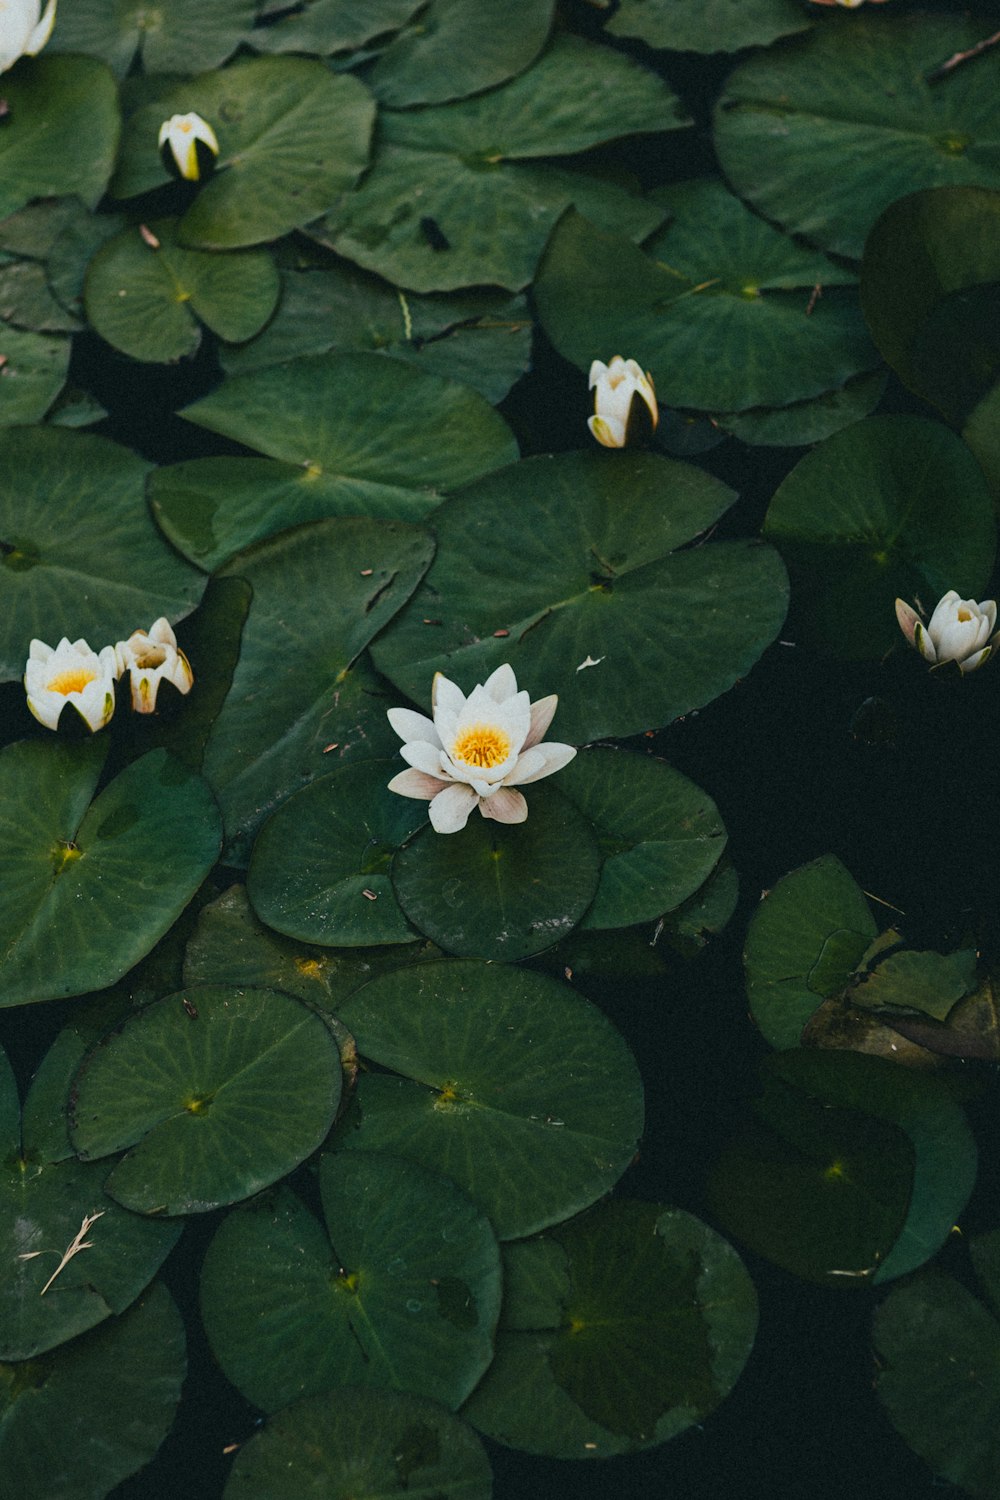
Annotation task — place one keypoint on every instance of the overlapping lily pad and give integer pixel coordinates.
(93, 883)
(824, 131)
(147, 295)
(33, 373)
(292, 136)
(182, 37)
(721, 307)
(383, 1442)
(499, 891)
(47, 1201)
(891, 507)
(854, 1170)
(482, 338)
(514, 1086)
(485, 208)
(938, 1370)
(328, 26)
(542, 565)
(804, 942)
(77, 1421)
(320, 593)
(401, 1290)
(930, 289)
(320, 865)
(661, 836)
(79, 555)
(213, 1094)
(60, 132)
(618, 1331)
(708, 25)
(459, 47)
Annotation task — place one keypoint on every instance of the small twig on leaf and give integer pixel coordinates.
(960, 57)
(76, 1244)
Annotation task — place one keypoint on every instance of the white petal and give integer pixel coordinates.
(923, 643)
(501, 684)
(944, 611)
(445, 694)
(449, 812)
(541, 717)
(42, 31)
(556, 756)
(908, 619)
(609, 432)
(425, 758)
(504, 806)
(410, 725)
(416, 784)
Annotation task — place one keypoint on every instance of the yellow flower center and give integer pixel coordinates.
(71, 682)
(964, 614)
(482, 746)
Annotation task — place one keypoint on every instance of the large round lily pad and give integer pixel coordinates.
(825, 131)
(320, 865)
(182, 37)
(292, 136)
(619, 1331)
(148, 296)
(382, 1442)
(93, 883)
(401, 1290)
(520, 1090)
(853, 1171)
(76, 1422)
(457, 48)
(501, 891)
(720, 306)
(661, 836)
(213, 1094)
(79, 555)
(892, 507)
(543, 566)
(708, 25)
(485, 208)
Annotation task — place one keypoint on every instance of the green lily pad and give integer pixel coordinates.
(333, 1446)
(79, 555)
(182, 37)
(485, 210)
(292, 137)
(92, 885)
(825, 131)
(320, 866)
(853, 1171)
(517, 1088)
(482, 338)
(230, 946)
(402, 1290)
(708, 25)
(930, 982)
(619, 1331)
(50, 1201)
(542, 566)
(806, 422)
(938, 1371)
(929, 290)
(804, 942)
(77, 1421)
(33, 373)
(149, 299)
(60, 132)
(213, 1094)
(982, 434)
(460, 47)
(661, 836)
(27, 301)
(698, 919)
(501, 891)
(891, 507)
(720, 307)
(327, 26)
(320, 593)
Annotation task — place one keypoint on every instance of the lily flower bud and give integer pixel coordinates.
(151, 657)
(24, 30)
(625, 406)
(188, 146)
(959, 630)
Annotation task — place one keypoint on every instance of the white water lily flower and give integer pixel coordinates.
(71, 673)
(188, 146)
(959, 630)
(23, 29)
(151, 657)
(624, 402)
(476, 750)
